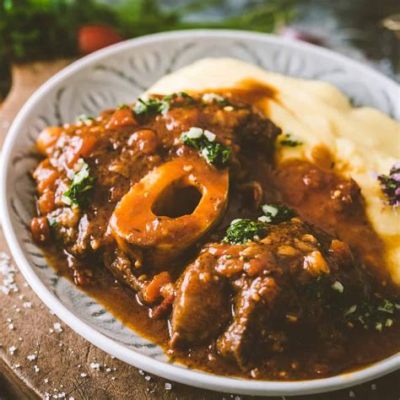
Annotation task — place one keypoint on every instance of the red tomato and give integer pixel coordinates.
(95, 37)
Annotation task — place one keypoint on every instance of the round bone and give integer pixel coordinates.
(170, 208)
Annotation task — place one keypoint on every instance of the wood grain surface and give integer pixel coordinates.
(41, 359)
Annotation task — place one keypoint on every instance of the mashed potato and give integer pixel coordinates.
(363, 141)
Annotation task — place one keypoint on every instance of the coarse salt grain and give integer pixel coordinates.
(12, 350)
(31, 357)
(36, 369)
(83, 374)
(95, 365)
(57, 327)
(27, 304)
(148, 378)
(7, 272)
(167, 386)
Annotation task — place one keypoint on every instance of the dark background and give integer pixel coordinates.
(49, 29)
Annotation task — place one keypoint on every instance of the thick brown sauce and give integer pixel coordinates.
(286, 183)
(315, 194)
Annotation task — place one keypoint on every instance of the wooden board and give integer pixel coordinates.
(40, 358)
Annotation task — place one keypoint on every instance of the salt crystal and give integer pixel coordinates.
(7, 271)
(27, 304)
(11, 327)
(46, 380)
(95, 365)
(148, 378)
(12, 350)
(83, 374)
(31, 357)
(167, 386)
(36, 369)
(57, 327)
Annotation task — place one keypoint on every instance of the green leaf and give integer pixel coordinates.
(82, 184)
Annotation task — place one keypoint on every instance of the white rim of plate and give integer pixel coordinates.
(174, 372)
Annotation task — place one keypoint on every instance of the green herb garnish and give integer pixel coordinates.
(52, 222)
(82, 183)
(210, 98)
(276, 213)
(376, 314)
(204, 141)
(154, 106)
(290, 141)
(244, 230)
(390, 185)
(84, 118)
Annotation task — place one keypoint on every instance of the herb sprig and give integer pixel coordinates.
(82, 184)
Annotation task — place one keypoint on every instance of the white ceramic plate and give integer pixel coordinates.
(117, 75)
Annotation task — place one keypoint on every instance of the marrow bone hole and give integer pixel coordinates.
(177, 200)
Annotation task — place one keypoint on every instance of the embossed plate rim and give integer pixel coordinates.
(167, 370)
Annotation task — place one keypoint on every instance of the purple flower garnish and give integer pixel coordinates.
(390, 185)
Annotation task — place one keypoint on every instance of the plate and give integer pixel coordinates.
(116, 75)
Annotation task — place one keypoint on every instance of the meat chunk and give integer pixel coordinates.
(292, 276)
(202, 305)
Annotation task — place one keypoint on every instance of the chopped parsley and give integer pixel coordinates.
(390, 185)
(276, 213)
(52, 221)
(210, 98)
(244, 230)
(152, 106)
(84, 118)
(290, 141)
(376, 315)
(204, 142)
(82, 183)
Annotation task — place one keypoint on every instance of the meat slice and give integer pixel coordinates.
(202, 304)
